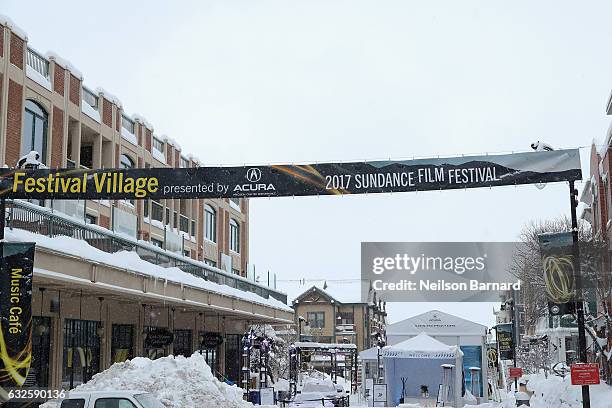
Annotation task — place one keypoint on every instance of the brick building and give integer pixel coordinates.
(91, 310)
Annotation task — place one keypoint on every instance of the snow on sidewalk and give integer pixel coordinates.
(557, 392)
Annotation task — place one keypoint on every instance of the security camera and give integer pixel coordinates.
(541, 147)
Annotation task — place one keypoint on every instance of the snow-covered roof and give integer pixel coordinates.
(326, 346)
(369, 354)
(436, 322)
(64, 63)
(343, 291)
(7, 22)
(130, 261)
(420, 344)
(103, 92)
(141, 119)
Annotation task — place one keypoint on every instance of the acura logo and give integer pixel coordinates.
(253, 175)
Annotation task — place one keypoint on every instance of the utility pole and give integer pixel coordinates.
(586, 398)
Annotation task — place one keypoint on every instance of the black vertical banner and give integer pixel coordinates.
(16, 274)
(505, 341)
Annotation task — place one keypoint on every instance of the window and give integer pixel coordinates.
(113, 403)
(81, 351)
(158, 144)
(184, 162)
(148, 401)
(235, 203)
(125, 162)
(210, 223)
(35, 126)
(127, 123)
(193, 228)
(168, 220)
(121, 342)
(90, 219)
(234, 236)
(157, 243)
(316, 319)
(184, 224)
(145, 211)
(73, 403)
(210, 262)
(182, 343)
(157, 211)
(346, 318)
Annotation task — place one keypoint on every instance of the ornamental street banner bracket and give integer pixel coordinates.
(293, 180)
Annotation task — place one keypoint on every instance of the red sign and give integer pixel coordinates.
(585, 374)
(516, 372)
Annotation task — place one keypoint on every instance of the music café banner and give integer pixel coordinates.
(294, 180)
(16, 273)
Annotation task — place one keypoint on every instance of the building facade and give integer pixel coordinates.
(110, 272)
(325, 318)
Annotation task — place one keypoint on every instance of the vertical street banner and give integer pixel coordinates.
(505, 341)
(16, 274)
(556, 250)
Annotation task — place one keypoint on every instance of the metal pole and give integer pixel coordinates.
(514, 337)
(586, 398)
(2, 217)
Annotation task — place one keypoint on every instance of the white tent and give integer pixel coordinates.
(452, 330)
(417, 364)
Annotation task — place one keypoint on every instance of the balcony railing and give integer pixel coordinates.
(39, 63)
(40, 220)
(91, 98)
(345, 328)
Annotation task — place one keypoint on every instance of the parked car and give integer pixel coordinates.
(318, 393)
(110, 399)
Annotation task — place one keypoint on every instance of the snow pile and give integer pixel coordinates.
(557, 392)
(178, 382)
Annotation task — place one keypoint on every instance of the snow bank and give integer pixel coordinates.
(178, 382)
(557, 392)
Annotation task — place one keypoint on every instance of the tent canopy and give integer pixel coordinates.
(421, 346)
(436, 323)
(415, 367)
(370, 354)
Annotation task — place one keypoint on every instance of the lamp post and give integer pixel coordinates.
(380, 343)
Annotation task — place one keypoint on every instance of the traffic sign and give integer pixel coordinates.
(585, 374)
(516, 372)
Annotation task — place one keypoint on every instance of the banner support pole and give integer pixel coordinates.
(2, 217)
(586, 398)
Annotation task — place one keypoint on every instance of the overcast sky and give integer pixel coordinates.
(303, 81)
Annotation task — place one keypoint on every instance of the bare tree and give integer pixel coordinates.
(595, 270)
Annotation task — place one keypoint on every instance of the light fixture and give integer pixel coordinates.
(41, 328)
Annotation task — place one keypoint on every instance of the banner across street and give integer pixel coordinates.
(294, 180)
